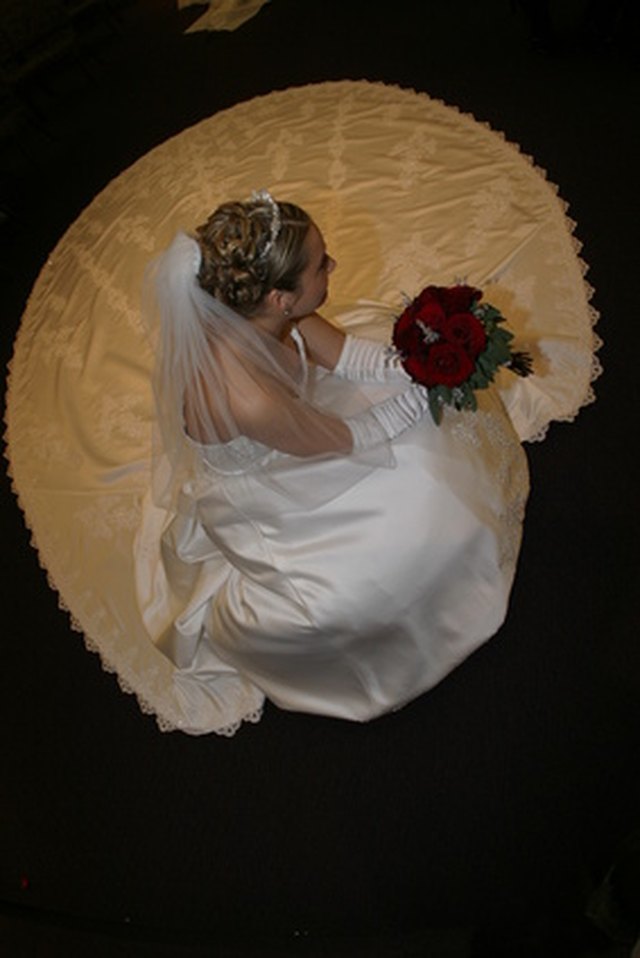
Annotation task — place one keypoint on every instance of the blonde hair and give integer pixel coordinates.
(242, 260)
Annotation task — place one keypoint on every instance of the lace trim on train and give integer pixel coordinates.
(482, 427)
(571, 226)
(147, 702)
(62, 343)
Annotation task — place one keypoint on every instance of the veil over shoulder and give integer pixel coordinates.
(234, 570)
(349, 608)
(322, 581)
(219, 380)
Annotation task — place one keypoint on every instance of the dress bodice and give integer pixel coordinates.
(242, 453)
(244, 574)
(236, 456)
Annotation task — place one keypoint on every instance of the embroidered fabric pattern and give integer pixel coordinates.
(476, 428)
(81, 437)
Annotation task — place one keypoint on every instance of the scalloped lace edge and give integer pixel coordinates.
(589, 395)
(254, 715)
(145, 704)
(596, 370)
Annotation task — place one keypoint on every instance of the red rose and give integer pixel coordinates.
(427, 295)
(430, 313)
(450, 299)
(467, 331)
(415, 364)
(455, 299)
(407, 336)
(446, 359)
(445, 364)
(425, 307)
(403, 324)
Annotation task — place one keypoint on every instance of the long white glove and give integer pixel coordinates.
(389, 418)
(365, 360)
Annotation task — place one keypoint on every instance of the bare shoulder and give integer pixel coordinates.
(324, 340)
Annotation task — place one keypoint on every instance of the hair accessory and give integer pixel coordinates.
(265, 197)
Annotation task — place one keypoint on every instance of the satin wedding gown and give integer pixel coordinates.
(350, 607)
(386, 580)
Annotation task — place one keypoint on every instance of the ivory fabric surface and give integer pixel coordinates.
(406, 190)
(223, 14)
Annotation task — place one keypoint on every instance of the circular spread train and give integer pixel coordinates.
(359, 595)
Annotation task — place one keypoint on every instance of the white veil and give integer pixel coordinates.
(229, 379)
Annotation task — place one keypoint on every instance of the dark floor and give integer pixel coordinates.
(480, 820)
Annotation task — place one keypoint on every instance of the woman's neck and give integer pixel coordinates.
(274, 325)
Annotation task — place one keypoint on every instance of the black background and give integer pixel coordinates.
(476, 821)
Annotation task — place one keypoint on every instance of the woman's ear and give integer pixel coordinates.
(280, 300)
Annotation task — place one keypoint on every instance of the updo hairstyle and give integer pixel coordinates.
(240, 264)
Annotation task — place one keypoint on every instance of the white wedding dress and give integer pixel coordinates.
(388, 577)
(349, 608)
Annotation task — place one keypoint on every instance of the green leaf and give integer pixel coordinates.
(435, 407)
(478, 380)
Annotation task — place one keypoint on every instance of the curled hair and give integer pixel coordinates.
(241, 262)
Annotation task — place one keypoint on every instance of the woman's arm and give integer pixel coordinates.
(324, 342)
(260, 407)
(351, 357)
(284, 422)
(269, 414)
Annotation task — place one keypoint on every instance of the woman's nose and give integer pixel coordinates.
(331, 264)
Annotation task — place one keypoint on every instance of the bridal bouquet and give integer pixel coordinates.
(451, 343)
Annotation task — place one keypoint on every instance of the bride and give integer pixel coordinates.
(312, 536)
